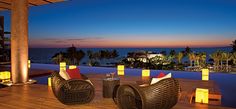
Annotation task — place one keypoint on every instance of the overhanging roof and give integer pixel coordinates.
(6, 4)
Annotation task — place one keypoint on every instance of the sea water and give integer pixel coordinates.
(44, 55)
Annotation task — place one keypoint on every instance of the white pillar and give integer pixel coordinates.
(19, 41)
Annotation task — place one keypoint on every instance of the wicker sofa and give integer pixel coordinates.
(73, 91)
(161, 95)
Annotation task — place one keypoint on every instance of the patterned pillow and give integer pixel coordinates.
(160, 75)
(74, 73)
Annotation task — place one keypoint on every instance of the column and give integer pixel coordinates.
(19, 41)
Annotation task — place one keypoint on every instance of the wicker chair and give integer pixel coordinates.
(161, 95)
(73, 91)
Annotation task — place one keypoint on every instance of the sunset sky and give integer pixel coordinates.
(132, 23)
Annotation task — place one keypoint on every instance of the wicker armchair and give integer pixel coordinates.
(161, 95)
(73, 91)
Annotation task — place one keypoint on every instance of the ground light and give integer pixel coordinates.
(49, 82)
(121, 70)
(201, 95)
(62, 66)
(205, 74)
(29, 64)
(145, 73)
(5, 76)
(72, 67)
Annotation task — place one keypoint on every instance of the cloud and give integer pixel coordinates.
(144, 41)
(60, 41)
(63, 42)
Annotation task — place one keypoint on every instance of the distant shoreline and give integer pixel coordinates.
(128, 47)
(44, 55)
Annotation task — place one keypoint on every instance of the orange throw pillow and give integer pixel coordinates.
(161, 75)
(74, 73)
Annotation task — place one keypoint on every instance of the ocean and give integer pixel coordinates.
(44, 55)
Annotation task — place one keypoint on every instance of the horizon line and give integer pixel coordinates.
(140, 47)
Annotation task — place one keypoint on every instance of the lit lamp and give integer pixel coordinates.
(29, 63)
(201, 95)
(121, 70)
(72, 67)
(5, 76)
(145, 73)
(205, 74)
(49, 81)
(8, 76)
(62, 66)
(2, 76)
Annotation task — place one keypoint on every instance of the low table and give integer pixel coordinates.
(188, 90)
(108, 86)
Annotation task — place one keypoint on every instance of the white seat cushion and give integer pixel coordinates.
(155, 80)
(89, 81)
(64, 75)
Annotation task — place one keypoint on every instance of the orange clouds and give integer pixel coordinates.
(127, 42)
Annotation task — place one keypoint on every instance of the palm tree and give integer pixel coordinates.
(226, 57)
(216, 59)
(169, 58)
(179, 57)
(221, 58)
(196, 62)
(71, 56)
(191, 57)
(229, 57)
(187, 50)
(172, 53)
(233, 46)
(114, 53)
(57, 58)
(90, 57)
(234, 58)
(202, 59)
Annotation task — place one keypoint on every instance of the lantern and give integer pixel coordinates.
(121, 70)
(2, 76)
(201, 95)
(5, 76)
(49, 81)
(205, 74)
(145, 73)
(29, 64)
(62, 66)
(8, 75)
(72, 67)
